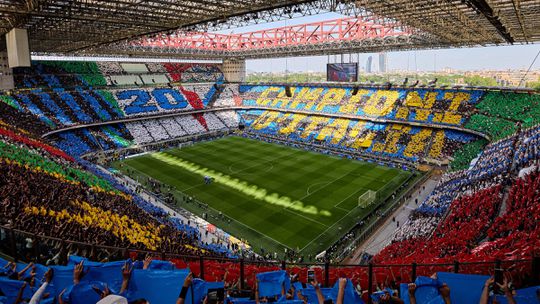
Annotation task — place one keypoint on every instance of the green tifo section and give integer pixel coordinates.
(275, 196)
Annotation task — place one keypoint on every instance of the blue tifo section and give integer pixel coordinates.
(273, 283)
(154, 284)
(464, 289)
(154, 100)
(53, 106)
(162, 283)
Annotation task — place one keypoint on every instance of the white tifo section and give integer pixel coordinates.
(110, 68)
(114, 73)
(139, 132)
(17, 48)
(190, 124)
(173, 127)
(200, 89)
(156, 129)
(230, 118)
(234, 70)
(226, 98)
(155, 67)
(213, 122)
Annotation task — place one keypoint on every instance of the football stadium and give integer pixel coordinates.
(154, 152)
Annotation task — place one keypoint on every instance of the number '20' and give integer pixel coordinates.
(140, 100)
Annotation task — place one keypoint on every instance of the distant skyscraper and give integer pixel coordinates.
(383, 62)
(368, 64)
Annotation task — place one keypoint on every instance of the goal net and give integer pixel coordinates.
(367, 198)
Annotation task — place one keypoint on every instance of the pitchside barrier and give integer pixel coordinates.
(524, 272)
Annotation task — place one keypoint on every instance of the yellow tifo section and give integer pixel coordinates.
(418, 143)
(394, 133)
(372, 103)
(425, 104)
(314, 125)
(413, 99)
(357, 136)
(361, 137)
(121, 226)
(377, 103)
(437, 145)
(264, 120)
(241, 186)
(294, 120)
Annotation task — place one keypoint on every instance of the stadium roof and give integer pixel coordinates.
(91, 27)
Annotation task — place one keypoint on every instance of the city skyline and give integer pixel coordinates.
(518, 57)
(463, 59)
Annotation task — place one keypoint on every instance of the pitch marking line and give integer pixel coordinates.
(301, 199)
(189, 188)
(331, 226)
(249, 227)
(271, 160)
(316, 238)
(272, 166)
(308, 191)
(343, 200)
(268, 169)
(307, 218)
(308, 195)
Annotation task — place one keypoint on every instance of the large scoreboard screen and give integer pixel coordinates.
(342, 72)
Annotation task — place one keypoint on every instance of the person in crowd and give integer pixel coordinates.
(487, 291)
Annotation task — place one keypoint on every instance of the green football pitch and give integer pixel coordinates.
(273, 196)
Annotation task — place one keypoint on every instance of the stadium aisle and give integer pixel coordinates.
(382, 236)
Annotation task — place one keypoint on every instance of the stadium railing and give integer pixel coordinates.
(15, 245)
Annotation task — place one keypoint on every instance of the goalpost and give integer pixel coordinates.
(367, 198)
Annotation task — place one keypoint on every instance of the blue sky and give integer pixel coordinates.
(492, 58)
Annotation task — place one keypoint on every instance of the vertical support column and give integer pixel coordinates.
(456, 267)
(201, 265)
(17, 48)
(326, 274)
(413, 274)
(37, 245)
(63, 253)
(13, 245)
(93, 253)
(242, 274)
(535, 268)
(234, 70)
(498, 264)
(370, 282)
